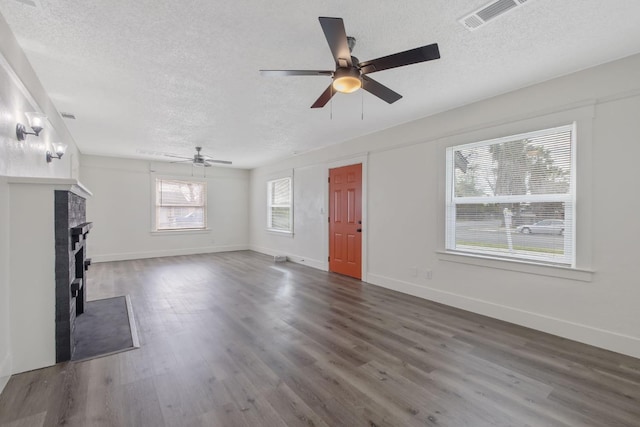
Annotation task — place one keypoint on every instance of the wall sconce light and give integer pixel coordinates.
(36, 122)
(59, 149)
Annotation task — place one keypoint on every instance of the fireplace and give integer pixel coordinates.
(71, 265)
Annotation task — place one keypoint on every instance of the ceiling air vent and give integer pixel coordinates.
(28, 2)
(68, 116)
(488, 12)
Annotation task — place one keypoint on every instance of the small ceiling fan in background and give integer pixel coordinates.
(350, 74)
(198, 159)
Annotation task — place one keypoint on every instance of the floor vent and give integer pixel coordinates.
(488, 12)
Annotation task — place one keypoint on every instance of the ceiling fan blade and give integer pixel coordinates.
(337, 38)
(176, 157)
(222, 162)
(324, 98)
(282, 73)
(379, 90)
(408, 57)
(183, 161)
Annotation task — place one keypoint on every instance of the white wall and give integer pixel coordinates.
(5, 331)
(121, 210)
(404, 227)
(33, 301)
(307, 214)
(20, 92)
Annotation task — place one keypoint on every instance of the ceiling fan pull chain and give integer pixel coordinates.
(362, 105)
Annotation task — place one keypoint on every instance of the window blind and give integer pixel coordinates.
(514, 196)
(180, 205)
(279, 193)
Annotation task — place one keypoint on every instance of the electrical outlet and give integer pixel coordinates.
(428, 274)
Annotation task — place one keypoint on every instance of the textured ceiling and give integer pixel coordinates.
(152, 76)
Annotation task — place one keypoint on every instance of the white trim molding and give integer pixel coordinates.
(609, 340)
(314, 263)
(164, 253)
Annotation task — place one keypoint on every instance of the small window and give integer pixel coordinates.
(180, 205)
(514, 197)
(279, 196)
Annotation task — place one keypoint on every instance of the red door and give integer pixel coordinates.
(345, 220)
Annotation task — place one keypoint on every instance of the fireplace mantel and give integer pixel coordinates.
(67, 184)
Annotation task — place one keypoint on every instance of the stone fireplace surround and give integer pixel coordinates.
(71, 231)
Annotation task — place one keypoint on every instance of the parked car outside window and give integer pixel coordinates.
(546, 226)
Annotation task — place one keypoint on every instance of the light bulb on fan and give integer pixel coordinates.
(347, 80)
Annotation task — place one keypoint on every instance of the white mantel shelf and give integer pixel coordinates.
(69, 184)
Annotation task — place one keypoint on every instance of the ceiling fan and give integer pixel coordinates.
(351, 74)
(198, 159)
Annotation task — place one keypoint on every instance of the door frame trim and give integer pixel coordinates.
(363, 159)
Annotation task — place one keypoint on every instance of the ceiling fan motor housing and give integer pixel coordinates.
(347, 79)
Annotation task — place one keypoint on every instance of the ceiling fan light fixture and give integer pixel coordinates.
(347, 80)
(351, 74)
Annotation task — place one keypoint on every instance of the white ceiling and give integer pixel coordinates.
(153, 76)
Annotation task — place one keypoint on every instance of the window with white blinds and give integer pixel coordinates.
(180, 205)
(279, 196)
(514, 197)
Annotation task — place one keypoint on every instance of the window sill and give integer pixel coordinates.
(519, 266)
(181, 231)
(280, 232)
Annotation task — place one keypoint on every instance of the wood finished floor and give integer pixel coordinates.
(233, 339)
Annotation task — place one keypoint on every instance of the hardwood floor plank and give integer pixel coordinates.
(566, 375)
(35, 420)
(176, 404)
(103, 408)
(233, 339)
(253, 405)
(138, 404)
(470, 411)
(292, 409)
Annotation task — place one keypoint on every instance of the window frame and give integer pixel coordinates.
(155, 205)
(569, 198)
(270, 206)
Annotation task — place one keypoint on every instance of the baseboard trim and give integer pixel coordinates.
(310, 262)
(608, 340)
(168, 252)
(5, 371)
(319, 265)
